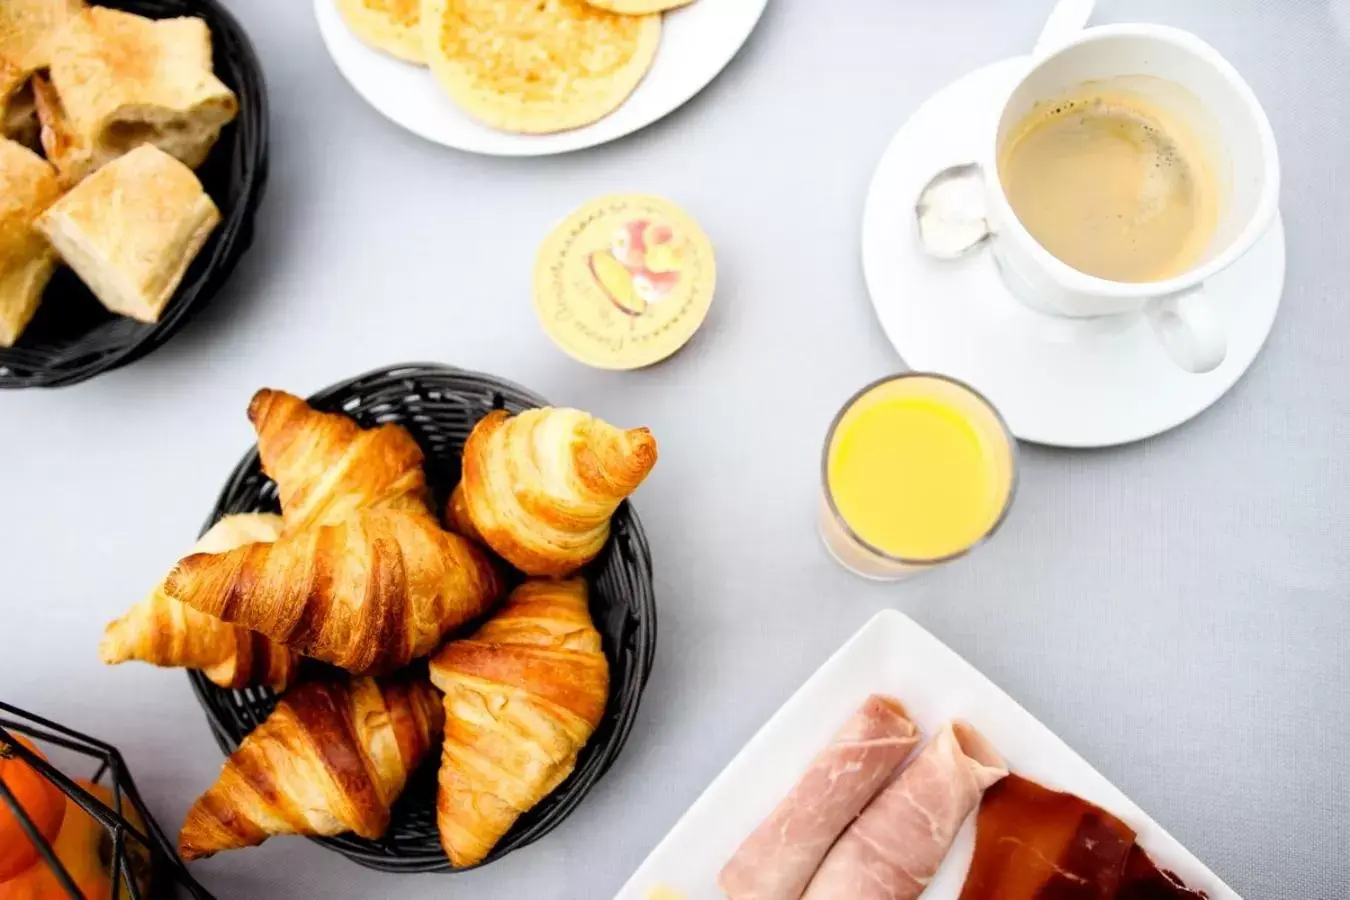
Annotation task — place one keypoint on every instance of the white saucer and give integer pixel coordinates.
(697, 41)
(1057, 381)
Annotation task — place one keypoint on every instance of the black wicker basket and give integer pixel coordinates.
(440, 406)
(166, 872)
(73, 337)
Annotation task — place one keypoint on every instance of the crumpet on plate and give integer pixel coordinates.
(537, 66)
(638, 7)
(394, 26)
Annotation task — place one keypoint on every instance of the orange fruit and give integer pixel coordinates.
(42, 802)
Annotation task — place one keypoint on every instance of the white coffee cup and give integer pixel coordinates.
(1224, 113)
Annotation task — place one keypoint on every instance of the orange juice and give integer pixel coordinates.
(918, 469)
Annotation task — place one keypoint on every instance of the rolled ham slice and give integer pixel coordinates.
(896, 846)
(778, 858)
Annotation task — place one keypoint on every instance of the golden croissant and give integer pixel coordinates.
(332, 757)
(161, 631)
(540, 487)
(522, 697)
(369, 594)
(457, 516)
(326, 466)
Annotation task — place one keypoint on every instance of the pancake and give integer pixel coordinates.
(638, 7)
(394, 26)
(537, 66)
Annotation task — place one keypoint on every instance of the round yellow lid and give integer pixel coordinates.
(624, 281)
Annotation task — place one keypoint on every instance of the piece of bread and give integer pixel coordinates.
(26, 31)
(540, 487)
(27, 187)
(164, 632)
(27, 28)
(71, 154)
(120, 80)
(370, 594)
(394, 26)
(18, 111)
(457, 517)
(326, 466)
(536, 66)
(332, 757)
(522, 698)
(131, 229)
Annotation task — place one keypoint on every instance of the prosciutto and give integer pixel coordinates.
(1143, 880)
(896, 846)
(779, 857)
(1032, 843)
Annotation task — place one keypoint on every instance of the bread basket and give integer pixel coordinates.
(72, 337)
(440, 406)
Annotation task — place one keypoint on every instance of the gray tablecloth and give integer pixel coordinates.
(1176, 610)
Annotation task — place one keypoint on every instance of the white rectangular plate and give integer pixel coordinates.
(890, 655)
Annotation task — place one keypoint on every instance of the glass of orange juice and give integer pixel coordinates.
(918, 469)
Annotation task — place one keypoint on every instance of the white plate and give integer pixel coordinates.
(697, 41)
(1058, 381)
(890, 655)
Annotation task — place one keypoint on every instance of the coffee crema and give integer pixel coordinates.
(1111, 184)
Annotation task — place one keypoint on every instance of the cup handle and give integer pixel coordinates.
(1189, 329)
(1067, 18)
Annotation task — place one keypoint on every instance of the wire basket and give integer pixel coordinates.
(440, 405)
(128, 842)
(73, 337)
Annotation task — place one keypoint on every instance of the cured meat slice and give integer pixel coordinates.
(896, 846)
(1145, 881)
(779, 857)
(1032, 843)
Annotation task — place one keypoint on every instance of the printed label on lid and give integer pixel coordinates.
(624, 281)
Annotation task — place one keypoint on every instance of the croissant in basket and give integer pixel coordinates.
(164, 632)
(332, 757)
(369, 594)
(326, 466)
(539, 488)
(522, 697)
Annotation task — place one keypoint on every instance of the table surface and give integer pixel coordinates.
(1176, 610)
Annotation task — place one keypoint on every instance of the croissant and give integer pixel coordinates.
(457, 515)
(522, 697)
(540, 487)
(332, 757)
(369, 594)
(161, 631)
(326, 466)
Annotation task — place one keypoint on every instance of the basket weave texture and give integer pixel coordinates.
(440, 405)
(73, 337)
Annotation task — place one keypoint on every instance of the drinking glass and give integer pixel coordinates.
(997, 454)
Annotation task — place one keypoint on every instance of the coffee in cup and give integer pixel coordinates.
(1112, 183)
